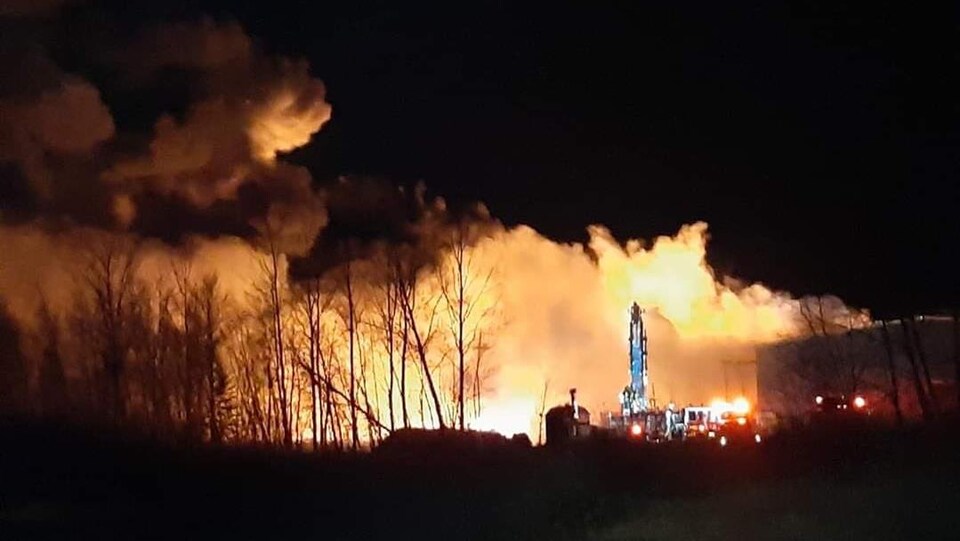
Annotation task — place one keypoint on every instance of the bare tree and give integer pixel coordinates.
(52, 378)
(210, 303)
(462, 287)
(922, 397)
(924, 366)
(388, 309)
(421, 338)
(314, 308)
(398, 285)
(350, 319)
(189, 375)
(829, 361)
(110, 279)
(892, 371)
(275, 280)
(543, 408)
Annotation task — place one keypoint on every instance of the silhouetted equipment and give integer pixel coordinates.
(414, 443)
(639, 417)
(567, 422)
(633, 399)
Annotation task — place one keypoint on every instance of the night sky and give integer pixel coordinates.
(819, 142)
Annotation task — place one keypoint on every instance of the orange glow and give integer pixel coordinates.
(741, 406)
(551, 312)
(506, 417)
(741, 421)
(718, 406)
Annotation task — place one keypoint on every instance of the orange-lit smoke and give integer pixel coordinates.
(565, 313)
(551, 314)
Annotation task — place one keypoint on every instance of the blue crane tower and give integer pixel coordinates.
(633, 400)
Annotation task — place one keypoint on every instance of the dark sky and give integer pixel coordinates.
(820, 142)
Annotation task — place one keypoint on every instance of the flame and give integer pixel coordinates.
(508, 416)
(551, 316)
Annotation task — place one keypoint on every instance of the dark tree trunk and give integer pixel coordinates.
(925, 367)
(351, 329)
(892, 369)
(917, 382)
(403, 374)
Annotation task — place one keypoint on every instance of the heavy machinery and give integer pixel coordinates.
(839, 405)
(698, 421)
(737, 430)
(640, 418)
(839, 411)
(633, 399)
(568, 422)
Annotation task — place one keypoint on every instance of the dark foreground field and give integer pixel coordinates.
(871, 485)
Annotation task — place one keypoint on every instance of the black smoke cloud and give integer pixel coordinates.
(211, 164)
(369, 216)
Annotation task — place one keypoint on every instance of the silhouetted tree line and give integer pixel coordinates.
(336, 359)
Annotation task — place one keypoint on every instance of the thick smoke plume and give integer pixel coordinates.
(554, 314)
(250, 108)
(244, 110)
(543, 316)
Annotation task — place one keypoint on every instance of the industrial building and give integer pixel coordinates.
(916, 357)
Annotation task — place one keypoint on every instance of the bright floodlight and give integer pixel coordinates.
(723, 441)
(859, 402)
(818, 399)
(756, 438)
(635, 430)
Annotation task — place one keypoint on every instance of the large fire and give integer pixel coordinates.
(214, 337)
(545, 316)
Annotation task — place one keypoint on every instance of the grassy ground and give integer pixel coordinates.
(868, 485)
(911, 506)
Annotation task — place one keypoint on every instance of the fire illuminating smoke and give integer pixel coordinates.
(554, 314)
(547, 316)
(566, 308)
